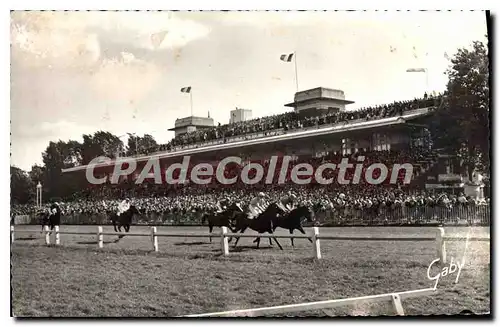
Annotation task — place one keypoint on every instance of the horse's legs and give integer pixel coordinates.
(114, 226)
(210, 228)
(232, 231)
(237, 239)
(291, 238)
(271, 232)
(127, 228)
(302, 231)
(258, 242)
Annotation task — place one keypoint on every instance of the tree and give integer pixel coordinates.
(101, 144)
(141, 145)
(461, 126)
(56, 157)
(22, 188)
(37, 174)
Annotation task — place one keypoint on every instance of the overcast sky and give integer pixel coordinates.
(75, 73)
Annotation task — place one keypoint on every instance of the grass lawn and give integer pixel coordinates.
(189, 276)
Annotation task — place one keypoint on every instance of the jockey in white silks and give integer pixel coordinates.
(123, 206)
(287, 202)
(257, 206)
(222, 204)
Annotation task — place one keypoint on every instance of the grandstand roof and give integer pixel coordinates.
(319, 94)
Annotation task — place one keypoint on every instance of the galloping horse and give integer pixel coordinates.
(222, 219)
(124, 219)
(294, 220)
(263, 223)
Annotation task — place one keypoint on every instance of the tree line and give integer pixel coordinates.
(460, 126)
(66, 154)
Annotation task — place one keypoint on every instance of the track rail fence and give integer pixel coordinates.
(478, 215)
(440, 238)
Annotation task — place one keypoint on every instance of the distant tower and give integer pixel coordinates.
(238, 115)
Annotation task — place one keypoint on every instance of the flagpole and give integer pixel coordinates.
(426, 80)
(296, 75)
(191, 98)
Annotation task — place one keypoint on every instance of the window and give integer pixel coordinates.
(381, 142)
(346, 143)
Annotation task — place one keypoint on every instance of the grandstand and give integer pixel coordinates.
(319, 130)
(306, 132)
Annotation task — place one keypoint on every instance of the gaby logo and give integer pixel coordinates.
(448, 270)
(276, 170)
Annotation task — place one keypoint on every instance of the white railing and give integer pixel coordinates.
(315, 237)
(395, 298)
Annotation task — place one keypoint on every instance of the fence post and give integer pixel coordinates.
(58, 236)
(100, 237)
(315, 239)
(154, 239)
(11, 234)
(223, 241)
(47, 235)
(441, 246)
(396, 304)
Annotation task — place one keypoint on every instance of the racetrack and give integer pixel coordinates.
(189, 276)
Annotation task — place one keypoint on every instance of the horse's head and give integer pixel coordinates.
(236, 207)
(133, 210)
(204, 218)
(274, 209)
(306, 212)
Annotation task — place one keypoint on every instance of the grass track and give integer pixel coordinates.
(189, 276)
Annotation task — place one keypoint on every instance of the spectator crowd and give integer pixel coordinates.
(348, 202)
(293, 120)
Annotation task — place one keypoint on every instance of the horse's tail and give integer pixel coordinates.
(203, 218)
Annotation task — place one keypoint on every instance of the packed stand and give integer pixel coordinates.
(344, 205)
(292, 121)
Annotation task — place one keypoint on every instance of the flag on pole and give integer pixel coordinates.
(416, 70)
(186, 89)
(286, 57)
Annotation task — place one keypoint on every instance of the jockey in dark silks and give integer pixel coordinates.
(55, 210)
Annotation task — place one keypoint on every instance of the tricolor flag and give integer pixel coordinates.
(286, 57)
(186, 89)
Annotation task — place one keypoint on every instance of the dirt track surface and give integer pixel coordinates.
(188, 275)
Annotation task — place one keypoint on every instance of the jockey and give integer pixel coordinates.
(223, 204)
(54, 208)
(258, 205)
(123, 206)
(287, 203)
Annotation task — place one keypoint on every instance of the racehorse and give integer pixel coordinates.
(264, 223)
(124, 219)
(222, 219)
(294, 220)
(50, 219)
